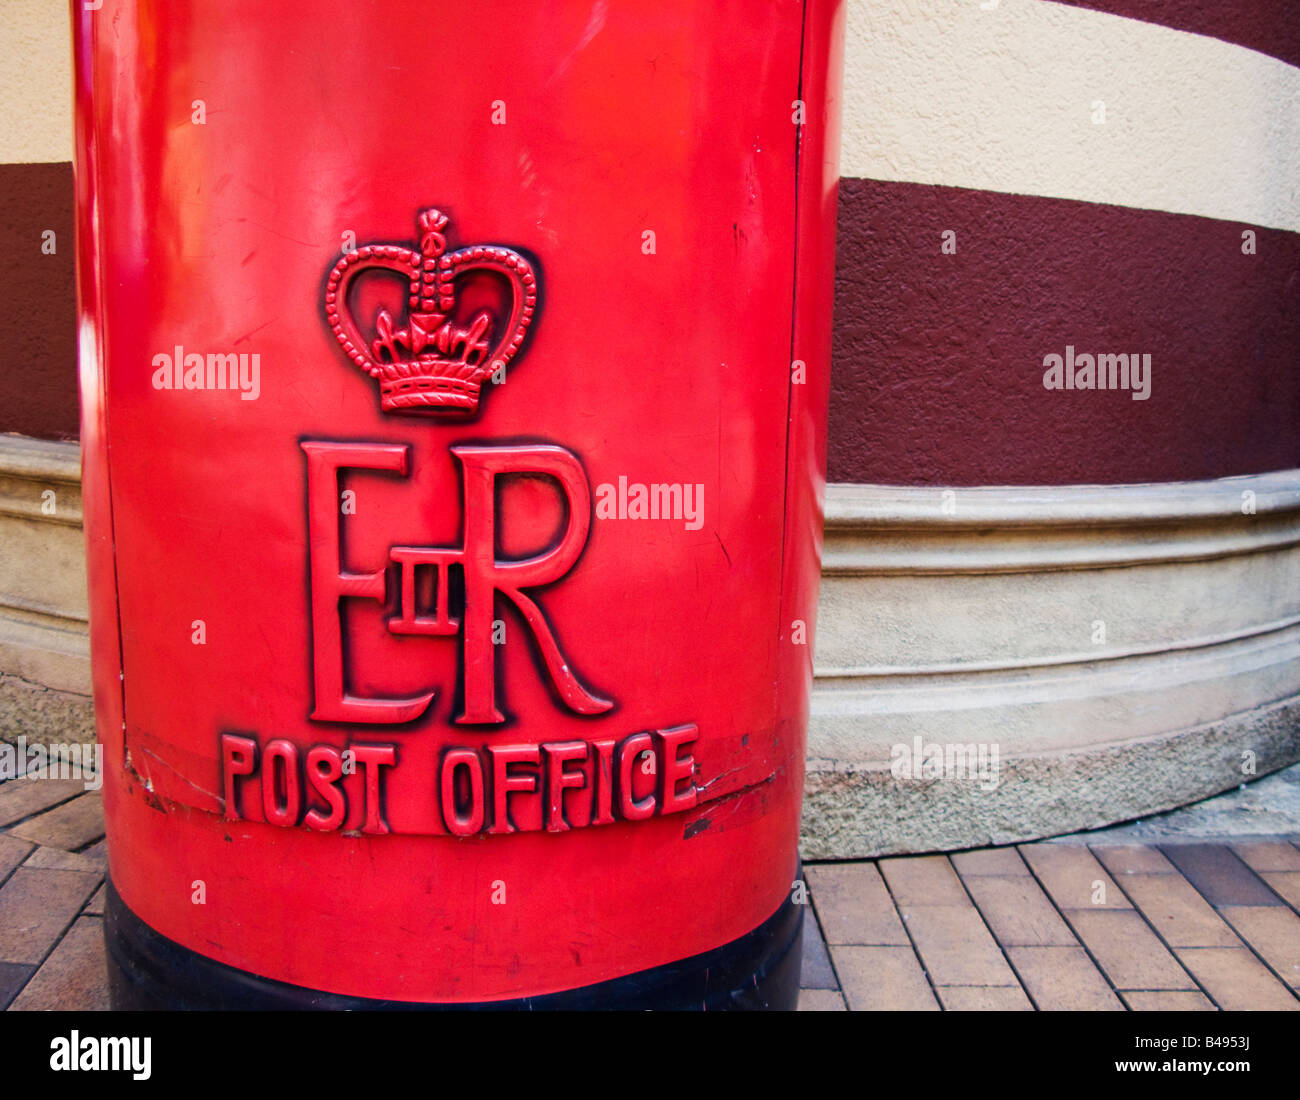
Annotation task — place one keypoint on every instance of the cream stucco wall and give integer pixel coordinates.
(35, 81)
(1002, 98)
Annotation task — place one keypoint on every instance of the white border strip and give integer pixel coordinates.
(946, 92)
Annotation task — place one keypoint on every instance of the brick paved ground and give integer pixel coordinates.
(1063, 924)
(1060, 926)
(51, 895)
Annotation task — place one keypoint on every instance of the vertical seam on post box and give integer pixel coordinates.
(101, 373)
(794, 308)
(108, 462)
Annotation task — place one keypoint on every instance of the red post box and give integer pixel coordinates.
(454, 388)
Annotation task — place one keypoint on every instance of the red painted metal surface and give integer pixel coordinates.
(386, 654)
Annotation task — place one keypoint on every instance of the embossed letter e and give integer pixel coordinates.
(330, 583)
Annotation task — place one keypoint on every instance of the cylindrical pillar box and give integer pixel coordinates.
(454, 391)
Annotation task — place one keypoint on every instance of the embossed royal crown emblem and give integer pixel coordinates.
(440, 359)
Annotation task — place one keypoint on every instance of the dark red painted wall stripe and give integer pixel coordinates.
(938, 359)
(1269, 26)
(937, 374)
(38, 350)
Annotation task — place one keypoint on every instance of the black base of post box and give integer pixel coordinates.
(760, 970)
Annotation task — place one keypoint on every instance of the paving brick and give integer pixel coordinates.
(1177, 912)
(12, 852)
(75, 976)
(1219, 875)
(1063, 979)
(815, 972)
(71, 825)
(98, 852)
(35, 908)
(1018, 911)
(1127, 951)
(923, 880)
(1286, 884)
(1274, 933)
(1268, 855)
(1237, 980)
(853, 905)
(820, 1000)
(989, 861)
(1168, 1001)
(876, 979)
(21, 798)
(95, 906)
(13, 976)
(955, 947)
(56, 859)
(989, 998)
(1073, 877)
(1132, 859)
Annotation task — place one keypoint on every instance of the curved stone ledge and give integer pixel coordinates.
(852, 810)
(44, 634)
(884, 529)
(44, 715)
(1120, 646)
